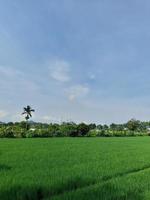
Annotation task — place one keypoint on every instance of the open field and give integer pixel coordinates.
(75, 168)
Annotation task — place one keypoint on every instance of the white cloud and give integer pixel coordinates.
(77, 91)
(59, 70)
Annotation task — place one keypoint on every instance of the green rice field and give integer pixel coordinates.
(75, 168)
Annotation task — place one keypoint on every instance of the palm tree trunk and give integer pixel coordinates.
(27, 125)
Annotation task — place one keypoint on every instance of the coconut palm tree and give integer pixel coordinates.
(28, 114)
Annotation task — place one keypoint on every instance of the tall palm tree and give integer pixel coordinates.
(28, 114)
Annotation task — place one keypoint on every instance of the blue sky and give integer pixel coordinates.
(77, 60)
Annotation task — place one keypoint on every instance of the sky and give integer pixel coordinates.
(75, 60)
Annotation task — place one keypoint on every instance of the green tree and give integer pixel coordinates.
(105, 127)
(83, 129)
(99, 127)
(68, 129)
(92, 126)
(113, 127)
(133, 124)
(28, 114)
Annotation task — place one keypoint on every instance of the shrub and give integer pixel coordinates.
(92, 133)
(7, 132)
(130, 133)
(141, 133)
(101, 133)
(118, 133)
(29, 134)
(68, 129)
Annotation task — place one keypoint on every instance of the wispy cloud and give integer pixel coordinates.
(60, 70)
(92, 76)
(13, 79)
(3, 114)
(9, 72)
(77, 91)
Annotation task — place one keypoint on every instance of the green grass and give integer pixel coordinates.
(75, 168)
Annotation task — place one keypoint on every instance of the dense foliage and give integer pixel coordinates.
(71, 129)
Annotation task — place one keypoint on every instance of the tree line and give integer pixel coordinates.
(29, 129)
(70, 129)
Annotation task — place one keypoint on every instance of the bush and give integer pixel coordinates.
(68, 129)
(101, 133)
(92, 133)
(130, 133)
(141, 133)
(31, 134)
(37, 133)
(53, 129)
(118, 134)
(6, 132)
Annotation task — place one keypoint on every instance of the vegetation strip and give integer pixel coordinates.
(30, 129)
